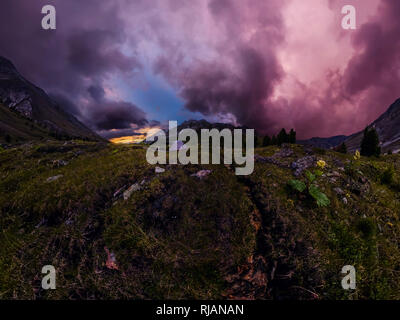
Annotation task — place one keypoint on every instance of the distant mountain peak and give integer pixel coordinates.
(324, 143)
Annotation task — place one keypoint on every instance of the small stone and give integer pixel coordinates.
(338, 190)
(59, 163)
(131, 189)
(159, 170)
(54, 178)
(334, 174)
(201, 174)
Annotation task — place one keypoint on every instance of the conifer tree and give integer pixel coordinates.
(370, 143)
(282, 137)
(267, 141)
(342, 148)
(292, 136)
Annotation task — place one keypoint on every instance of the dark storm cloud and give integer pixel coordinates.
(245, 71)
(96, 92)
(378, 45)
(72, 62)
(240, 80)
(225, 58)
(94, 53)
(104, 114)
(371, 80)
(115, 115)
(215, 89)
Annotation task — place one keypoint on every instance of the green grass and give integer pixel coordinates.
(180, 237)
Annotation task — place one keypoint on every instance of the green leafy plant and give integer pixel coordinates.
(297, 185)
(313, 190)
(320, 197)
(311, 177)
(367, 227)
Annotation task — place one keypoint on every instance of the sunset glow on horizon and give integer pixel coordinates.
(137, 138)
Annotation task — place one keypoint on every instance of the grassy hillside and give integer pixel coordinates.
(15, 128)
(178, 236)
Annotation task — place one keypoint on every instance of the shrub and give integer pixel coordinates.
(370, 143)
(342, 148)
(388, 176)
(366, 227)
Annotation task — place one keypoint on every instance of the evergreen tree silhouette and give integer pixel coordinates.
(292, 136)
(370, 143)
(267, 141)
(282, 137)
(342, 148)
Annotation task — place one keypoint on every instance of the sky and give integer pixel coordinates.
(125, 66)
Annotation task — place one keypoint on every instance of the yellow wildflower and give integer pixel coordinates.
(357, 155)
(390, 224)
(321, 164)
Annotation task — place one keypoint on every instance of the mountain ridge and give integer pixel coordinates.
(32, 107)
(387, 126)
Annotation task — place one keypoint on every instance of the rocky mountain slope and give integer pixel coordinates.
(115, 227)
(33, 111)
(388, 128)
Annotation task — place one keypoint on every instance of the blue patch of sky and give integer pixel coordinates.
(156, 97)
